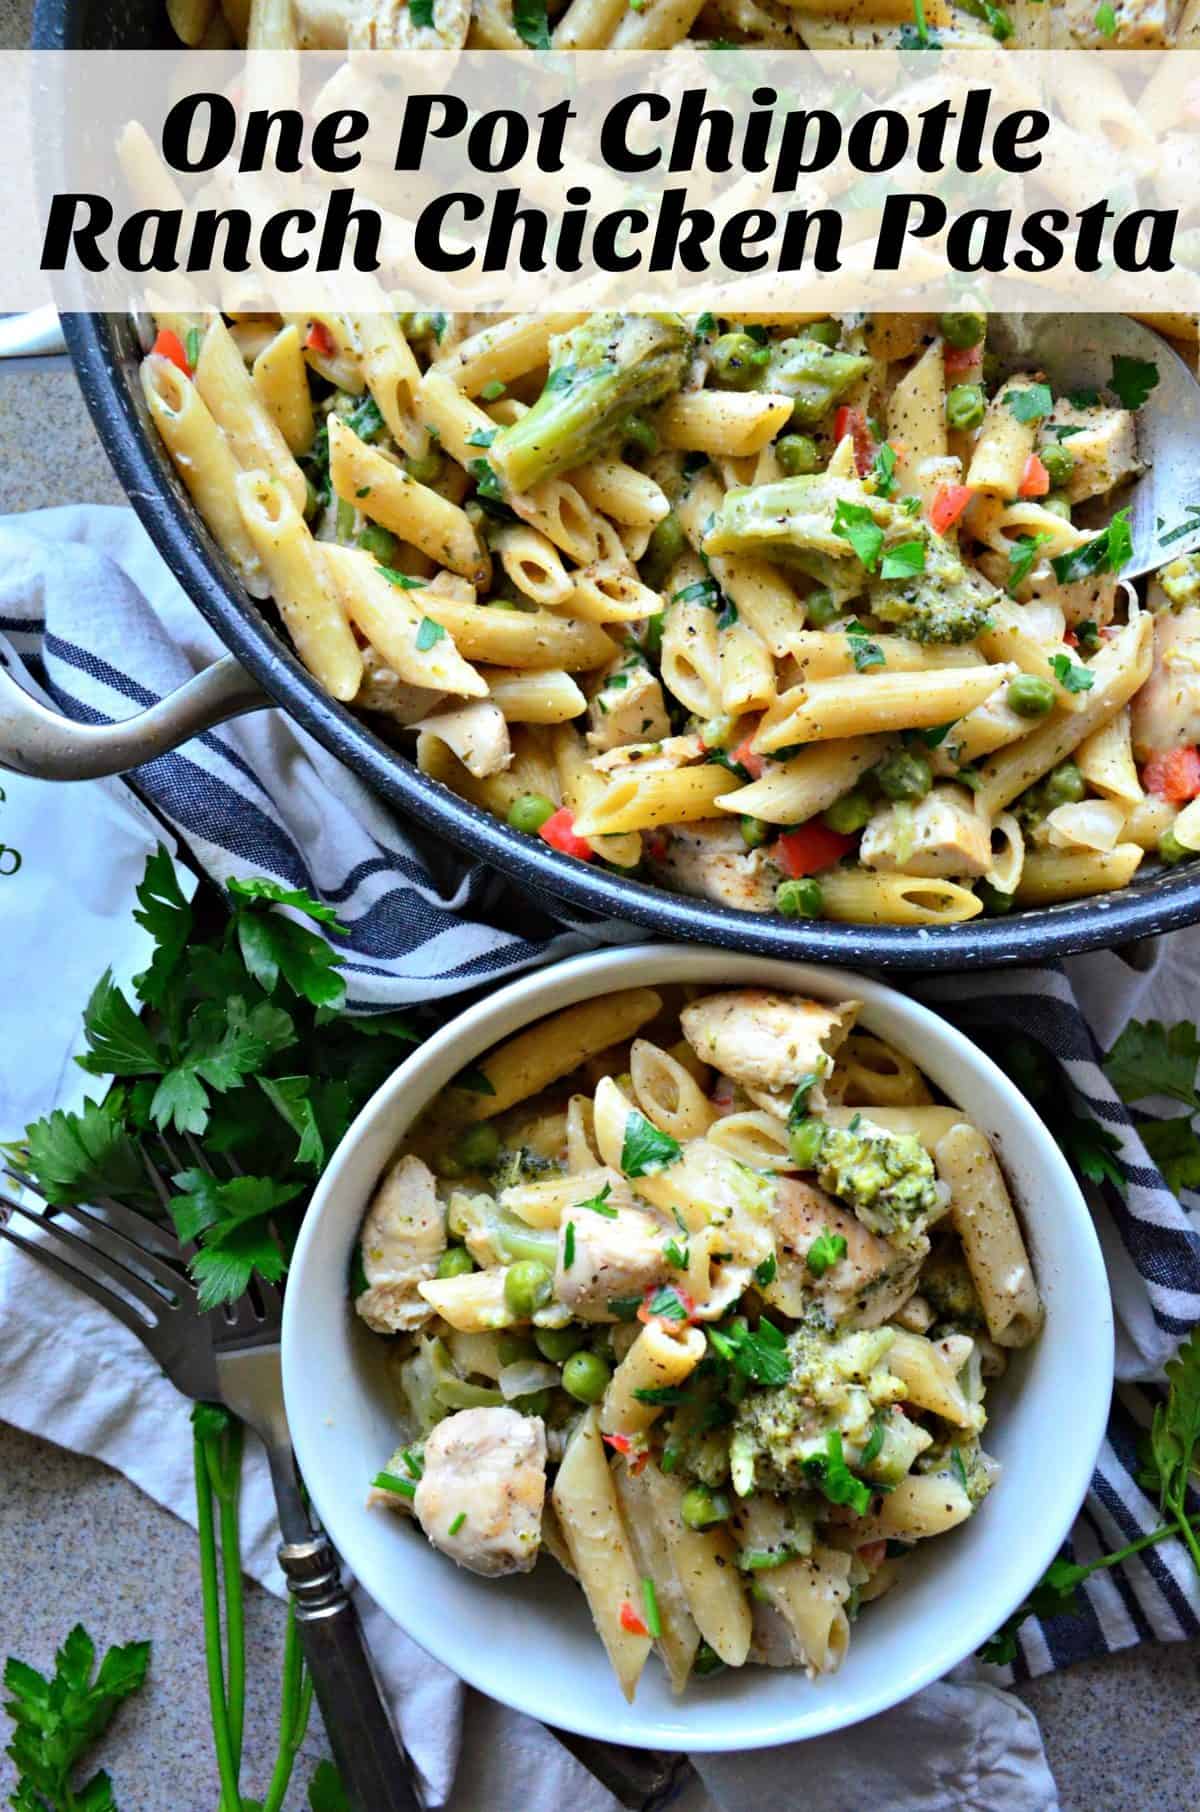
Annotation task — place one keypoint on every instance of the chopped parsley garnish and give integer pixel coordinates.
(482, 437)
(863, 651)
(421, 13)
(1030, 404)
(1106, 24)
(1022, 556)
(404, 581)
(1083, 399)
(677, 1255)
(883, 469)
(661, 1394)
(191, 346)
(493, 390)
(474, 1079)
(904, 561)
(428, 632)
(1087, 634)
(1106, 552)
(764, 1274)
(366, 419)
(413, 1462)
(706, 322)
(529, 17)
(855, 524)
(569, 1246)
(874, 1443)
(650, 1600)
(388, 1481)
(834, 1479)
(960, 1467)
(457, 1524)
(624, 1308)
(799, 1108)
(701, 591)
(1132, 379)
(487, 481)
(1070, 677)
(599, 1204)
(728, 615)
(667, 1303)
(933, 739)
(759, 1354)
(827, 1250)
(645, 1149)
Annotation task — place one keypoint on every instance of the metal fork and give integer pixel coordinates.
(134, 1267)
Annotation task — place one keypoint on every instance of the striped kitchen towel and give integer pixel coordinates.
(260, 796)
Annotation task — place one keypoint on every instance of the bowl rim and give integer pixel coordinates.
(519, 1004)
(1145, 908)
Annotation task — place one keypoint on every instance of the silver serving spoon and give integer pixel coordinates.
(1076, 352)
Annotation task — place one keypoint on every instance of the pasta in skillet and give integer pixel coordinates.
(701, 1294)
(822, 617)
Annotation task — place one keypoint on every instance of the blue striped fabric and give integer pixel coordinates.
(260, 796)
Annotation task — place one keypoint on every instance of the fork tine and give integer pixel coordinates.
(132, 1222)
(111, 1239)
(91, 1257)
(81, 1280)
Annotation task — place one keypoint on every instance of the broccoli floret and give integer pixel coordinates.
(946, 602)
(887, 1178)
(836, 1383)
(946, 1284)
(601, 372)
(791, 521)
(963, 1460)
(815, 376)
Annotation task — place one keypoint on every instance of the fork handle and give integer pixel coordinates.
(375, 1771)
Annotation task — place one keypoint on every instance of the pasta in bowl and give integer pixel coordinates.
(822, 618)
(733, 1376)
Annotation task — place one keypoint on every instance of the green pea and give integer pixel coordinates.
(799, 899)
(528, 1286)
(805, 1141)
(529, 811)
(1058, 460)
(963, 330)
(798, 454)
(557, 1344)
(754, 832)
(904, 775)
(379, 542)
(820, 608)
(1058, 504)
(826, 333)
(1064, 786)
(427, 469)
(994, 901)
(585, 1377)
(1171, 849)
(514, 1349)
(700, 1508)
(737, 360)
(479, 1146)
(1029, 695)
(667, 541)
(455, 1261)
(849, 813)
(965, 406)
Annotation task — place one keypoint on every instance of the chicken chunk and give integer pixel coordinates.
(627, 707)
(1139, 25)
(864, 1288)
(478, 734)
(765, 1040)
(1104, 447)
(940, 835)
(651, 757)
(402, 1239)
(612, 1258)
(712, 860)
(1166, 712)
(481, 1496)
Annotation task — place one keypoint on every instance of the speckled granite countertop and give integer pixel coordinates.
(1121, 1734)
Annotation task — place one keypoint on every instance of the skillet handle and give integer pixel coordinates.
(40, 743)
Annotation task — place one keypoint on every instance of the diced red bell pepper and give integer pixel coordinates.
(745, 756)
(949, 502)
(872, 1554)
(853, 422)
(320, 340)
(559, 832)
(1070, 638)
(959, 360)
(811, 848)
(1035, 480)
(1174, 776)
(631, 1621)
(620, 1443)
(168, 345)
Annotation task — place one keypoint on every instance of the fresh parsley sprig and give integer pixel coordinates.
(57, 1720)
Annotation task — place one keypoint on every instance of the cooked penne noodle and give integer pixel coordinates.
(983, 1216)
(295, 566)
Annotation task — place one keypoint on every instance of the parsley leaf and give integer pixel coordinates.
(529, 17)
(366, 418)
(855, 524)
(827, 1250)
(700, 591)
(77, 1157)
(1030, 404)
(864, 652)
(1106, 552)
(798, 1110)
(56, 1720)
(1175, 1149)
(1022, 553)
(1091, 1148)
(428, 634)
(598, 1203)
(1071, 677)
(666, 1302)
(1150, 1058)
(883, 468)
(764, 1274)
(834, 1479)
(659, 1393)
(677, 1255)
(326, 1792)
(167, 916)
(569, 1246)
(272, 946)
(759, 1354)
(402, 581)
(118, 1043)
(705, 323)
(904, 561)
(645, 1150)
(1106, 20)
(421, 13)
(933, 739)
(1132, 379)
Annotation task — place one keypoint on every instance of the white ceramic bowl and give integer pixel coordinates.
(529, 1640)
